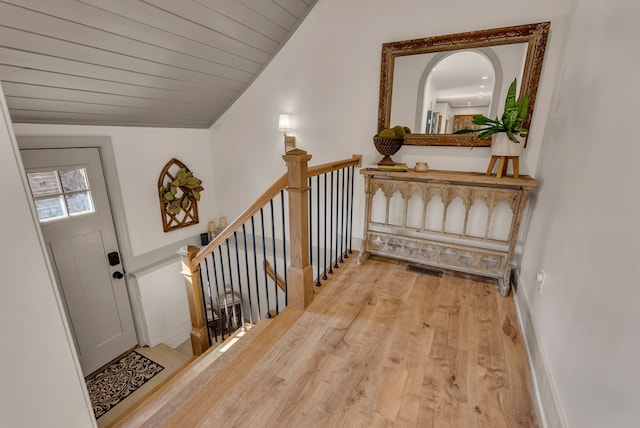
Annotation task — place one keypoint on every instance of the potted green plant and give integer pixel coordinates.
(388, 141)
(507, 132)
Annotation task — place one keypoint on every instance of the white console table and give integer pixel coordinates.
(446, 219)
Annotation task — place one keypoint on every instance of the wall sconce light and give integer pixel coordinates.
(284, 124)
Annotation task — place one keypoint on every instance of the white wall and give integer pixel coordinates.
(42, 384)
(447, 116)
(408, 71)
(140, 155)
(163, 296)
(584, 227)
(327, 77)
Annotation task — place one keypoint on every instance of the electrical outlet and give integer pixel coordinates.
(541, 278)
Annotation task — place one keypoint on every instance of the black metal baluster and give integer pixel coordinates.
(224, 291)
(275, 261)
(337, 216)
(342, 216)
(331, 228)
(206, 311)
(218, 324)
(324, 275)
(246, 266)
(318, 284)
(226, 303)
(310, 223)
(242, 327)
(284, 249)
(346, 223)
(353, 172)
(255, 267)
(264, 264)
(204, 306)
(344, 220)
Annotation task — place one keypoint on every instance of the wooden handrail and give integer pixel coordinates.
(272, 275)
(356, 160)
(299, 273)
(270, 193)
(226, 233)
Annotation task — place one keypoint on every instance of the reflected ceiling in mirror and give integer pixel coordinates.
(430, 89)
(425, 83)
(462, 79)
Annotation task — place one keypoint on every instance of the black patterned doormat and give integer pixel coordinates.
(119, 380)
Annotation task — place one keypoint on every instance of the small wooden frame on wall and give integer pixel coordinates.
(179, 193)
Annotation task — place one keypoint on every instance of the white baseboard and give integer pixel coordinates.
(550, 412)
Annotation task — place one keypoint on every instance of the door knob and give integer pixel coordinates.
(118, 275)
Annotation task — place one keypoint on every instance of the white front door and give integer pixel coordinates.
(71, 198)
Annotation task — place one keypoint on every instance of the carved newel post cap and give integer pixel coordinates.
(296, 155)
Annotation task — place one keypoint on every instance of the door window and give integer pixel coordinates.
(62, 193)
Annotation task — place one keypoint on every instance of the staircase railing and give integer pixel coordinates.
(331, 216)
(260, 263)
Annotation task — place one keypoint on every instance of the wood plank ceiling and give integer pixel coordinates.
(170, 63)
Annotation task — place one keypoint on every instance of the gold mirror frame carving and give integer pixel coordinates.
(535, 35)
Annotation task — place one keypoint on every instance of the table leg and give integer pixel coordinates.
(492, 163)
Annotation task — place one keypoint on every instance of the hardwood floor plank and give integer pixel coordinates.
(436, 400)
(421, 339)
(516, 361)
(390, 377)
(218, 388)
(380, 346)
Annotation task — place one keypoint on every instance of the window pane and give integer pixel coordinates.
(79, 203)
(44, 183)
(74, 180)
(50, 209)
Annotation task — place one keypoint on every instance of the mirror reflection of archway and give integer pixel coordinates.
(454, 87)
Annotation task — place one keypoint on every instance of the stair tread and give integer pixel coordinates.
(182, 388)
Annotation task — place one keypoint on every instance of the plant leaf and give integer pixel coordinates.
(489, 132)
(510, 118)
(481, 120)
(523, 107)
(512, 137)
(479, 130)
(510, 101)
(521, 131)
(466, 131)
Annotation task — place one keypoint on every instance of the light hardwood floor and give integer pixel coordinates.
(162, 354)
(380, 346)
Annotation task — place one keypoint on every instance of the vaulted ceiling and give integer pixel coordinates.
(171, 63)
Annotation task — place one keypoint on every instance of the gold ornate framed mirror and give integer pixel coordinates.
(425, 82)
